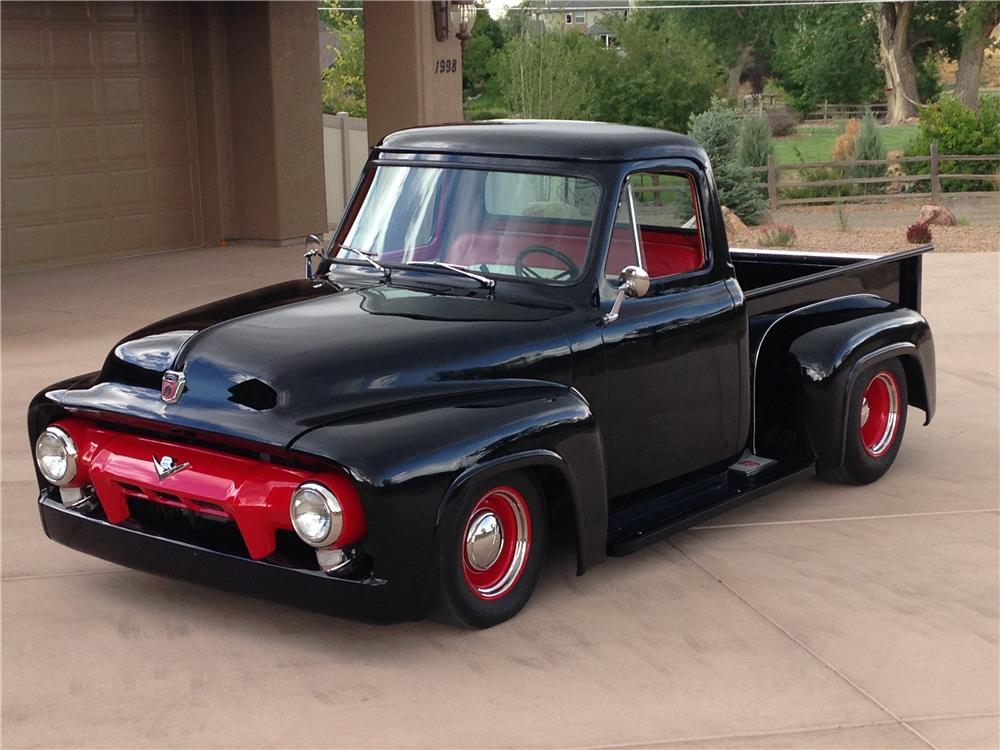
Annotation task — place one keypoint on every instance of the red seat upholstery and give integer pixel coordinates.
(669, 253)
(502, 246)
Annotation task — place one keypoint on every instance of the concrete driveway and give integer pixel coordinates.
(819, 617)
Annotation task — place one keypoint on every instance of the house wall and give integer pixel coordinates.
(137, 127)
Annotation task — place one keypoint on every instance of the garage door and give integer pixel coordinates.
(99, 142)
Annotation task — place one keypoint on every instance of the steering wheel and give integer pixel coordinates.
(527, 272)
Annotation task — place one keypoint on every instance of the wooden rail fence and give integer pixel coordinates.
(774, 183)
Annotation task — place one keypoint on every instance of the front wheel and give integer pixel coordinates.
(490, 548)
(876, 418)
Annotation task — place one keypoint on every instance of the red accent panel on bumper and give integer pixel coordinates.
(253, 493)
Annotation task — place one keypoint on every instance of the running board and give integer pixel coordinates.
(659, 516)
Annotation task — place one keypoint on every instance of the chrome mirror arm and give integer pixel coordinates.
(312, 239)
(310, 271)
(632, 282)
(616, 308)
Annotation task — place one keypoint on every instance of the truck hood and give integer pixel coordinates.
(269, 365)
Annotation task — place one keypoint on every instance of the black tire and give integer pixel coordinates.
(869, 452)
(475, 599)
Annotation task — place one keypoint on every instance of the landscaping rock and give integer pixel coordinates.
(938, 215)
(735, 228)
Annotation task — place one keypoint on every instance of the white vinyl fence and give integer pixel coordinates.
(345, 148)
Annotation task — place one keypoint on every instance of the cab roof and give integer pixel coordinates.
(545, 139)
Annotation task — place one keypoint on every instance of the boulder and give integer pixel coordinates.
(937, 215)
(736, 230)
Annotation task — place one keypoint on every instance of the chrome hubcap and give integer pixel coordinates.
(880, 408)
(483, 541)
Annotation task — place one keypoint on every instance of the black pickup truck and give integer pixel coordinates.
(515, 324)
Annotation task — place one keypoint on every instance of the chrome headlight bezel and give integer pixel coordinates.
(64, 441)
(330, 507)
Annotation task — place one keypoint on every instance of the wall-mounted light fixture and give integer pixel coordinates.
(458, 15)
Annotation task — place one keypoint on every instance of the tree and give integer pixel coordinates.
(978, 23)
(893, 22)
(343, 84)
(550, 75)
(479, 55)
(908, 32)
(717, 130)
(573, 76)
(640, 82)
(828, 53)
(742, 37)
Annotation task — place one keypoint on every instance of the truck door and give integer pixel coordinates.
(673, 355)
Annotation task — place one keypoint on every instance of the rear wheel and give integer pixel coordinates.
(876, 418)
(490, 550)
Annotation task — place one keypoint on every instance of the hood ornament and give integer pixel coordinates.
(172, 386)
(166, 467)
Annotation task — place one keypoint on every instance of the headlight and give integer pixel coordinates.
(317, 516)
(55, 454)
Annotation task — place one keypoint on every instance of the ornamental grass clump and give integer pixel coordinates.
(777, 235)
(919, 233)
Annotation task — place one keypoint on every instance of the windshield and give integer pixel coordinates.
(500, 224)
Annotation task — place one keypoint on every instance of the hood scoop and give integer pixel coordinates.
(254, 394)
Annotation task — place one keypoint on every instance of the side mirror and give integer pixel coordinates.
(632, 282)
(314, 247)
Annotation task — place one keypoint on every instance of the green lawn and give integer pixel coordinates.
(816, 143)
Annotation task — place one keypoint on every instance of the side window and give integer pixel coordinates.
(668, 221)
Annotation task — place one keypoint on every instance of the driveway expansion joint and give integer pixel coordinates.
(804, 646)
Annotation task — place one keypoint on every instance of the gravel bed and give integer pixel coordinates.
(945, 240)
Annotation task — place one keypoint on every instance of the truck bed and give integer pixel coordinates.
(774, 280)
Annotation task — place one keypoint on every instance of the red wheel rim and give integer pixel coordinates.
(879, 414)
(496, 543)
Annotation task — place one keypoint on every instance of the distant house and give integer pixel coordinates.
(584, 16)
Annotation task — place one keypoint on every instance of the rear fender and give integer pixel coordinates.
(809, 359)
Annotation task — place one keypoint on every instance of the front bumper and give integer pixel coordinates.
(367, 599)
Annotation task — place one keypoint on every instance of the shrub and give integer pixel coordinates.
(843, 147)
(717, 129)
(755, 143)
(868, 146)
(958, 130)
(819, 174)
(919, 233)
(777, 235)
(781, 121)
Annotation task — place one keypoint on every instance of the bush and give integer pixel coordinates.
(717, 129)
(843, 147)
(868, 146)
(755, 143)
(919, 233)
(777, 235)
(819, 174)
(781, 121)
(958, 130)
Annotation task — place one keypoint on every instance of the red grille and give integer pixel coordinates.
(252, 493)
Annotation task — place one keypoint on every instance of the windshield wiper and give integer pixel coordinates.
(367, 256)
(488, 283)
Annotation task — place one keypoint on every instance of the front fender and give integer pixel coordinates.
(811, 358)
(408, 462)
